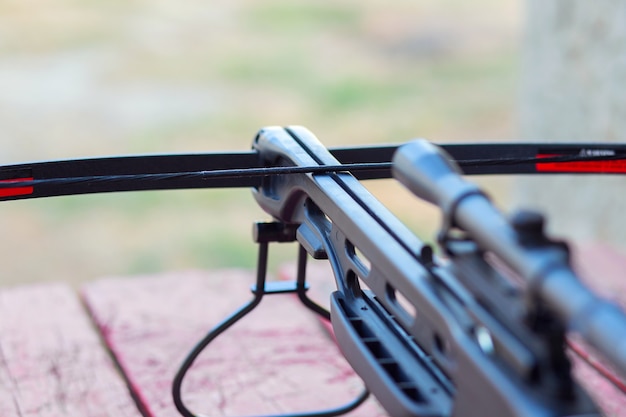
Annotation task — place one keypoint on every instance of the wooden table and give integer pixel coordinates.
(64, 353)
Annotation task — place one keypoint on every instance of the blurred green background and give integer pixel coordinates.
(93, 78)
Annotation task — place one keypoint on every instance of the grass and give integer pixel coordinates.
(288, 18)
(352, 72)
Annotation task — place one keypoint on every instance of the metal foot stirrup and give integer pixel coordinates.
(264, 234)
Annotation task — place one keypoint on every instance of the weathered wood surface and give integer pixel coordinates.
(52, 362)
(274, 361)
(279, 359)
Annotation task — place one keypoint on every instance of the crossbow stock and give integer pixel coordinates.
(480, 331)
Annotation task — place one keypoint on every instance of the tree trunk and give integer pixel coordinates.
(574, 90)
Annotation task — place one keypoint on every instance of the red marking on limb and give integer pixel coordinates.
(10, 192)
(594, 167)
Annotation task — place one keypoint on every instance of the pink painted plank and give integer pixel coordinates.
(151, 322)
(277, 360)
(602, 268)
(52, 362)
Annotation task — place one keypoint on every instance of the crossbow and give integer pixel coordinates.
(480, 330)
